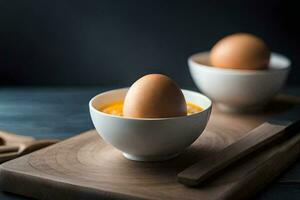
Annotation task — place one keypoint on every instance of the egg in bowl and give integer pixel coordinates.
(152, 96)
(148, 139)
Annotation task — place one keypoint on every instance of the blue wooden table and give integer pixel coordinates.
(63, 112)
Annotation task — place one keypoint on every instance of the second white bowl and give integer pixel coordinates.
(239, 90)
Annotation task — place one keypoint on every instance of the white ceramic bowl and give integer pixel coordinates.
(239, 90)
(149, 139)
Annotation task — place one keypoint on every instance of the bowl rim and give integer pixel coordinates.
(209, 107)
(285, 67)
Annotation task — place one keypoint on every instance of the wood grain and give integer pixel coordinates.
(85, 167)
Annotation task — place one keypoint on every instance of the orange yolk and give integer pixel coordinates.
(116, 108)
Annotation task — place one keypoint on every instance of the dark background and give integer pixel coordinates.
(113, 42)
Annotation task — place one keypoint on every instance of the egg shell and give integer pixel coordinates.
(240, 51)
(154, 96)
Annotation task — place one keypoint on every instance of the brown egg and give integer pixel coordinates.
(240, 51)
(154, 96)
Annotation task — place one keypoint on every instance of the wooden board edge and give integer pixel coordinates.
(9, 178)
(25, 182)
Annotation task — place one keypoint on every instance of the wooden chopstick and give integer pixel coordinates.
(7, 149)
(254, 140)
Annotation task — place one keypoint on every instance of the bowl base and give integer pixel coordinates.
(149, 158)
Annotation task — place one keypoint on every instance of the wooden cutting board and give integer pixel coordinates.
(85, 167)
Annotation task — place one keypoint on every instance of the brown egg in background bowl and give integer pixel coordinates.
(153, 120)
(240, 51)
(239, 73)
